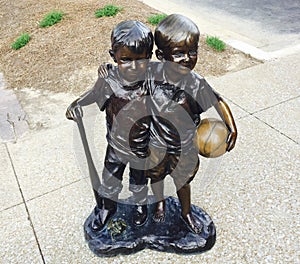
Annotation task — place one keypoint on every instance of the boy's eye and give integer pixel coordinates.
(178, 54)
(126, 60)
(193, 53)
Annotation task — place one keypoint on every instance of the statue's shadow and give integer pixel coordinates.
(121, 236)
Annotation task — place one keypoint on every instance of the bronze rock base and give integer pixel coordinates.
(121, 236)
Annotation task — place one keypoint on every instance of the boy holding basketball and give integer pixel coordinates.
(172, 88)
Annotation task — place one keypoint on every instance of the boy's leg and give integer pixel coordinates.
(166, 167)
(157, 175)
(184, 196)
(109, 189)
(157, 172)
(138, 186)
(160, 207)
(184, 189)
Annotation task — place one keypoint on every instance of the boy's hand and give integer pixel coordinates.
(103, 70)
(231, 139)
(74, 110)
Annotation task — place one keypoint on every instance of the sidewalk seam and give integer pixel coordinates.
(54, 190)
(26, 207)
(282, 102)
(275, 129)
(10, 207)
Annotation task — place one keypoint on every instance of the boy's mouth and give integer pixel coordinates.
(185, 66)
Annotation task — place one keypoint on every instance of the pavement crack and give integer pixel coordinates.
(25, 204)
(12, 124)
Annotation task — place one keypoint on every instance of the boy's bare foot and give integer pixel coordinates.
(194, 226)
(160, 212)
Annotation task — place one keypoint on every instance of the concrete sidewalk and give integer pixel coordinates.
(253, 195)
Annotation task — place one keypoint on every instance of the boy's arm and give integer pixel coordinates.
(208, 97)
(226, 115)
(87, 98)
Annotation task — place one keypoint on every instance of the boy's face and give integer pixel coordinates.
(132, 66)
(184, 53)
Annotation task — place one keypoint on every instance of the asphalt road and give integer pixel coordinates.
(274, 24)
(282, 16)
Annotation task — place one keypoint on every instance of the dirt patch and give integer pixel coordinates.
(65, 57)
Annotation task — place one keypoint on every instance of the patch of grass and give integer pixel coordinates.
(51, 18)
(215, 43)
(21, 41)
(155, 19)
(108, 10)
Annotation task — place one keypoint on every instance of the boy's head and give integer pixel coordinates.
(176, 38)
(131, 47)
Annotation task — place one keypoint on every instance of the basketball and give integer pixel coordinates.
(211, 137)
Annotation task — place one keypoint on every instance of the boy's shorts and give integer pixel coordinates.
(112, 175)
(182, 167)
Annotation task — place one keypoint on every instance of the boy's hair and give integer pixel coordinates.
(173, 29)
(134, 35)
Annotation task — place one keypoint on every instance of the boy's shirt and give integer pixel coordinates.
(176, 109)
(126, 113)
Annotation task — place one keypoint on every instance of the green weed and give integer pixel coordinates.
(21, 41)
(215, 43)
(108, 10)
(155, 19)
(51, 18)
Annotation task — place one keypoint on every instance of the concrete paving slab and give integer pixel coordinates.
(262, 86)
(13, 123)
(9, 189)
(236, 110)
(58, 219)
(284, 117)
(44, 161)
(254, 199)
(44, 109)
(18, 244)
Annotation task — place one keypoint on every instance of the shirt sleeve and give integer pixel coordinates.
(99, 94)
(102, 92)
(206, 96)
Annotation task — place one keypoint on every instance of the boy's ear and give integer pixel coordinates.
(159, 54)
(112, 55)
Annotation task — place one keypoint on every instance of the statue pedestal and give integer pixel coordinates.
(121, 236)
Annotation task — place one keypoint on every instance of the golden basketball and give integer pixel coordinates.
(211, 137)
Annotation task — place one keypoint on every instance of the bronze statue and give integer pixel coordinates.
(177, 40)
(131, 49)
(152, 111)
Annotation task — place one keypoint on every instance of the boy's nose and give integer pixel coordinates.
(133, 64)
(186, 57)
